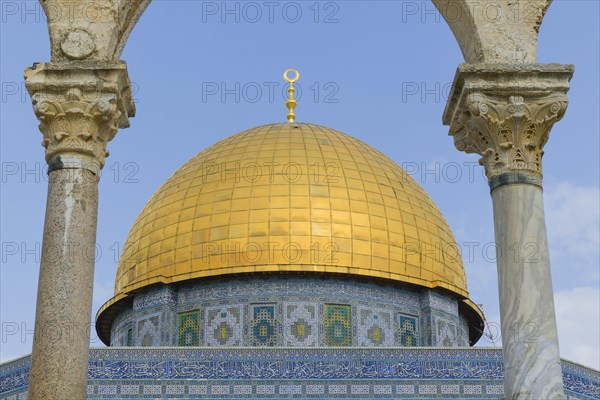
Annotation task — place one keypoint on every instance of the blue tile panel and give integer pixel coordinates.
(274, 373)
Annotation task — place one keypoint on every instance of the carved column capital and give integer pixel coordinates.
(80, 107)
(505, 113)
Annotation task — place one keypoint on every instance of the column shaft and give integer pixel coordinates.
(504, 113)
(532, 367)
(61, 343)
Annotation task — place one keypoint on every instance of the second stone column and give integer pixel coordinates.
(80, 108)
(505, 114)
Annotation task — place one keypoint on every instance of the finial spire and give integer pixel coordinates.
(291, 100)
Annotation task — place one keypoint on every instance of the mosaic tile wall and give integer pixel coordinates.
(291, 312)
(276, 373)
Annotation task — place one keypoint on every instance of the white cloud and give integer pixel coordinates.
(578, 320)
(573, 219)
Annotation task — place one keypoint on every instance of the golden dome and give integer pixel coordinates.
(290, 197)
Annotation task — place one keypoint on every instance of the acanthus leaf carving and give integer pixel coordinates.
(504, 113)
(82, 113)
(509, 132)
(77, 123)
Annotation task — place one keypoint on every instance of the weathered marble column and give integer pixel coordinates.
(505, 114)
(80, 107)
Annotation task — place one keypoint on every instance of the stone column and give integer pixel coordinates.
(504, 113)
(80, 107)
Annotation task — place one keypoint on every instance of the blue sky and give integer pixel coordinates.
(377, 70)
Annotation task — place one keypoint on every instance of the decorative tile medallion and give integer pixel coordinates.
(374, 327)
(224, 326)
(188, 333)
(446, 334)
(148, 331)
(301, 324)
(263, 325)
(338, 325)
(408, 330)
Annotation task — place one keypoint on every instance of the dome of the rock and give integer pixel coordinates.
(282, 204)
